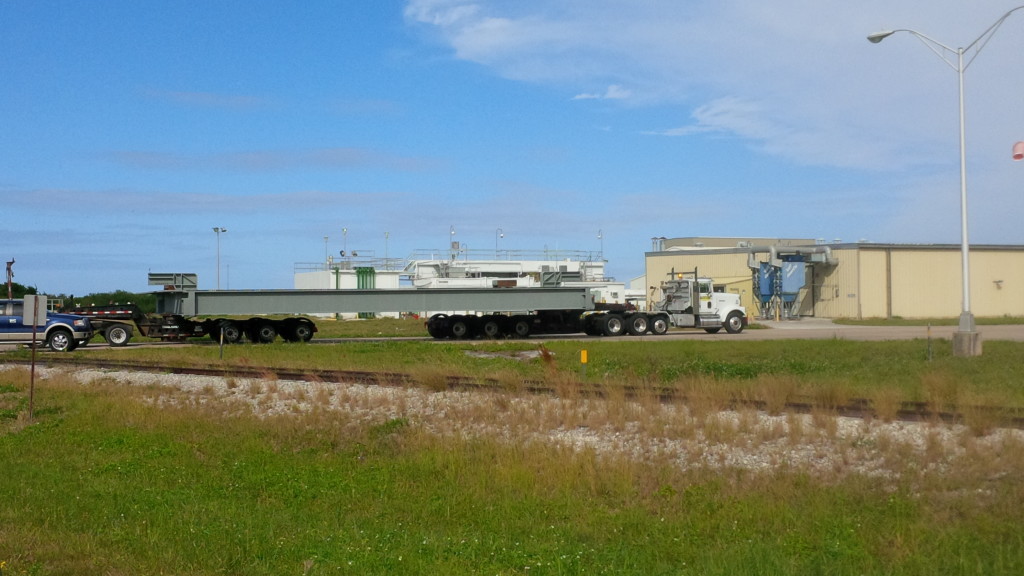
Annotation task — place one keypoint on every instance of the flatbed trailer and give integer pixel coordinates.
(496, 312)
(119, 322)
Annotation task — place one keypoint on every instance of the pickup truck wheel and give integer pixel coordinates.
(61, 340)
(117, 335)
(734, 323)
(637, 325)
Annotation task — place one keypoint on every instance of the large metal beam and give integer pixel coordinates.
(246, 302)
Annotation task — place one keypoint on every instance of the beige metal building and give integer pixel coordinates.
(851, 280)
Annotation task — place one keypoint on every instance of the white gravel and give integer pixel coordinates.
(827, 447)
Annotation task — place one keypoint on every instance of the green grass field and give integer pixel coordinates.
(105, 481)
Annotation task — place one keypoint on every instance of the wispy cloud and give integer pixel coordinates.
(613, 92)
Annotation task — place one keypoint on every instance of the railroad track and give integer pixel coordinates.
(909, 411)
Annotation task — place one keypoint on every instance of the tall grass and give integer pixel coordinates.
(768, 374)
(108, 480)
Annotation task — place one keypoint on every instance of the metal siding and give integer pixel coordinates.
(926, 283)
(997, 283)
(835, 287)
(724, 268)
(922, 282)
(874, 284)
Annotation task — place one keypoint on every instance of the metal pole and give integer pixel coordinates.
(966, 318)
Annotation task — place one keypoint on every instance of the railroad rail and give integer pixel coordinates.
(909, 411)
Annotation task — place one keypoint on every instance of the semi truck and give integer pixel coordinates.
(501, 311)
(687, 302)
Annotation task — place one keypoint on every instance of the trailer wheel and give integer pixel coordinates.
(438, 326)
(117, 335)
(266, 333)
(232, 333)
(521, 326)
(303, 331)
(613, 325)
(734, 323)
(637, 325)
(462, 327)
(491, 327)
(659, 325)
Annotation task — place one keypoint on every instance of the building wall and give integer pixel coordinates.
(726, 269)
(874, 281)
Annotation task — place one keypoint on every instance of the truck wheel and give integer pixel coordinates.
(521, 327)
(232, 334)
(461, 327)
(438, 327)
(303, 331)
(60, 340)
(734, 323)
(659, 325)
(637, 325)
(117, 335)
(491, 327)
(613, 325)
(266, 333)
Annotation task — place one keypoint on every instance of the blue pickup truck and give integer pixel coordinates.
(62, 332)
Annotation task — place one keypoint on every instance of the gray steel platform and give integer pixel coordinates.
(417, 300)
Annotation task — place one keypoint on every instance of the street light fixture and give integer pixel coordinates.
(217, 230)
(966, 340)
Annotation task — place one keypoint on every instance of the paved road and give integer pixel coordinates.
(818, 328)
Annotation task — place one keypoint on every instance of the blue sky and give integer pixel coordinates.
(128, 130)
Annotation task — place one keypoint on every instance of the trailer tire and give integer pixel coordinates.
(303, 331)
(117, 335)
(232, 333)
(637, 324)
(590, 326)
(265, 333)
(734, 323)
(439, 326)
(659, 325)
(491, 327)
(613, 325)
(521, 326)
(462, 327)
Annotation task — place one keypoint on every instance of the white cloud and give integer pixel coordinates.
(613, 92)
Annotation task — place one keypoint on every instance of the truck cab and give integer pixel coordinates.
(693, 303)
(62, 332)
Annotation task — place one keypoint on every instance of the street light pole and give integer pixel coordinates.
(966, 340)
(217, 230)
(499, 233)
